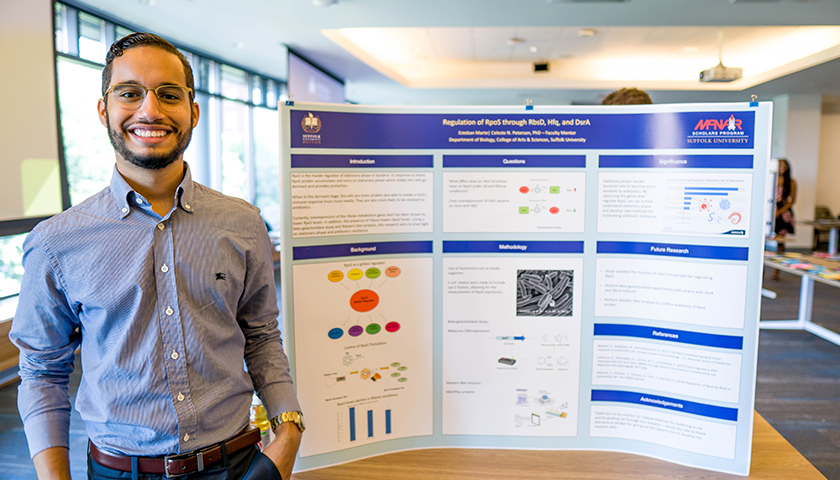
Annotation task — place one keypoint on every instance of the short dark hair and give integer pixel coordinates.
(627, 96)
(144, 40)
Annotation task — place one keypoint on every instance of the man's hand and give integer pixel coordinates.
(54, 463)
(283, 450)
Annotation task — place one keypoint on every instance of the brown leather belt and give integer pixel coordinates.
(177, 465)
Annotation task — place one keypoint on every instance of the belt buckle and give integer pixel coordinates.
(199, 458)
(167, 462)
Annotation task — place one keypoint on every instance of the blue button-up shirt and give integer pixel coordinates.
(165, 309)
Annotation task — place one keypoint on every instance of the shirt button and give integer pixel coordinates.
(124, 210)
(164, 268)
(169, 311)
(180, 397)
(161, 226)
(186, 206)
(174, 355)
(139, 201)
(187, 437)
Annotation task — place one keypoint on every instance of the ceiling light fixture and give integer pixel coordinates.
(515, 41)
(324, 3)
(533, 49)
(586, 32)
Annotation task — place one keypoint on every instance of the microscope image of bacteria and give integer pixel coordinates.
(544, 293)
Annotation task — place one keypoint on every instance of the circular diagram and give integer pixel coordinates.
(364, 300)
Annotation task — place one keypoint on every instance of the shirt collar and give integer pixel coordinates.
(123, 193)
(185, 191)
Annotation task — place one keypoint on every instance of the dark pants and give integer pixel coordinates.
(246, 464)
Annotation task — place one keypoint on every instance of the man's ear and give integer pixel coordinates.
(195, 113)
(100, 107)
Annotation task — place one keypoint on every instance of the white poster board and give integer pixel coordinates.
(555, 278)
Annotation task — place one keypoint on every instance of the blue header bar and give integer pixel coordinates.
(524, 131)
(702, 409)
(675, 250)
(355, 249)
(362, 161)
(678, 336)
(675, 161)
(512, 246)
(515, 161)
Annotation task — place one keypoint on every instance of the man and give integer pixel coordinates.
(627, 96)
(167, 286)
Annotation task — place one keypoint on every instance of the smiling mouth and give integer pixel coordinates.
(150, 133)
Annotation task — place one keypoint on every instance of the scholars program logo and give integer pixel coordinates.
(311, 125)
(719, 130)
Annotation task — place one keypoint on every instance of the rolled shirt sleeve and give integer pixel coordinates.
(44, 329)
(267, 362)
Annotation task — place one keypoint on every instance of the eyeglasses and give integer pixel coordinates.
(130, 96)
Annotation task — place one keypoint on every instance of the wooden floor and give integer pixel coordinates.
(797, 391)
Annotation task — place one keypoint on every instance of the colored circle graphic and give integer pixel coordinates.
(355, 330)
(554, 210)
(524, 190)
(354, 274)
(403, 368)
(395, 364)
(335, 276)
(373, 329)
(392, 272)
(395, 374)
(402, 380)
(364, 300)
(336, 333)
(373, 272)
(392, 327)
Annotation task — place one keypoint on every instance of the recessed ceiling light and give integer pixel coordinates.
(586, 32)
(691, 49)
(238, 44)
(533, 49)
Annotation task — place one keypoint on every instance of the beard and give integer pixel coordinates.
(152, 161)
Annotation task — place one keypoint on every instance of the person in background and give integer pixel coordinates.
(785, 197)
(627, 96)
(167, 287)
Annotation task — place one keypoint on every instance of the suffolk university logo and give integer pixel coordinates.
(311, 125)
(719, 130)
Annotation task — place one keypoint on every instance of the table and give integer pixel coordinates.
(772, 458)
(806, 298)
(832, 226)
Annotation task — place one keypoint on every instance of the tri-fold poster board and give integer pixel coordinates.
(581, 278)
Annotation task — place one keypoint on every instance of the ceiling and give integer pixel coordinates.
(466, 52)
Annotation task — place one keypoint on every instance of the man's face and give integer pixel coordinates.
(149, 137)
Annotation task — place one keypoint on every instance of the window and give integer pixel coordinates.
(267, 165)
(11, 270)
(87, 151)
(92, 40)
(235, 143)
(234, 148)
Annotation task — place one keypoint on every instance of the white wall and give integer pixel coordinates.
(28, 125)
(779, 140)
(828, 182)
(796, 131)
